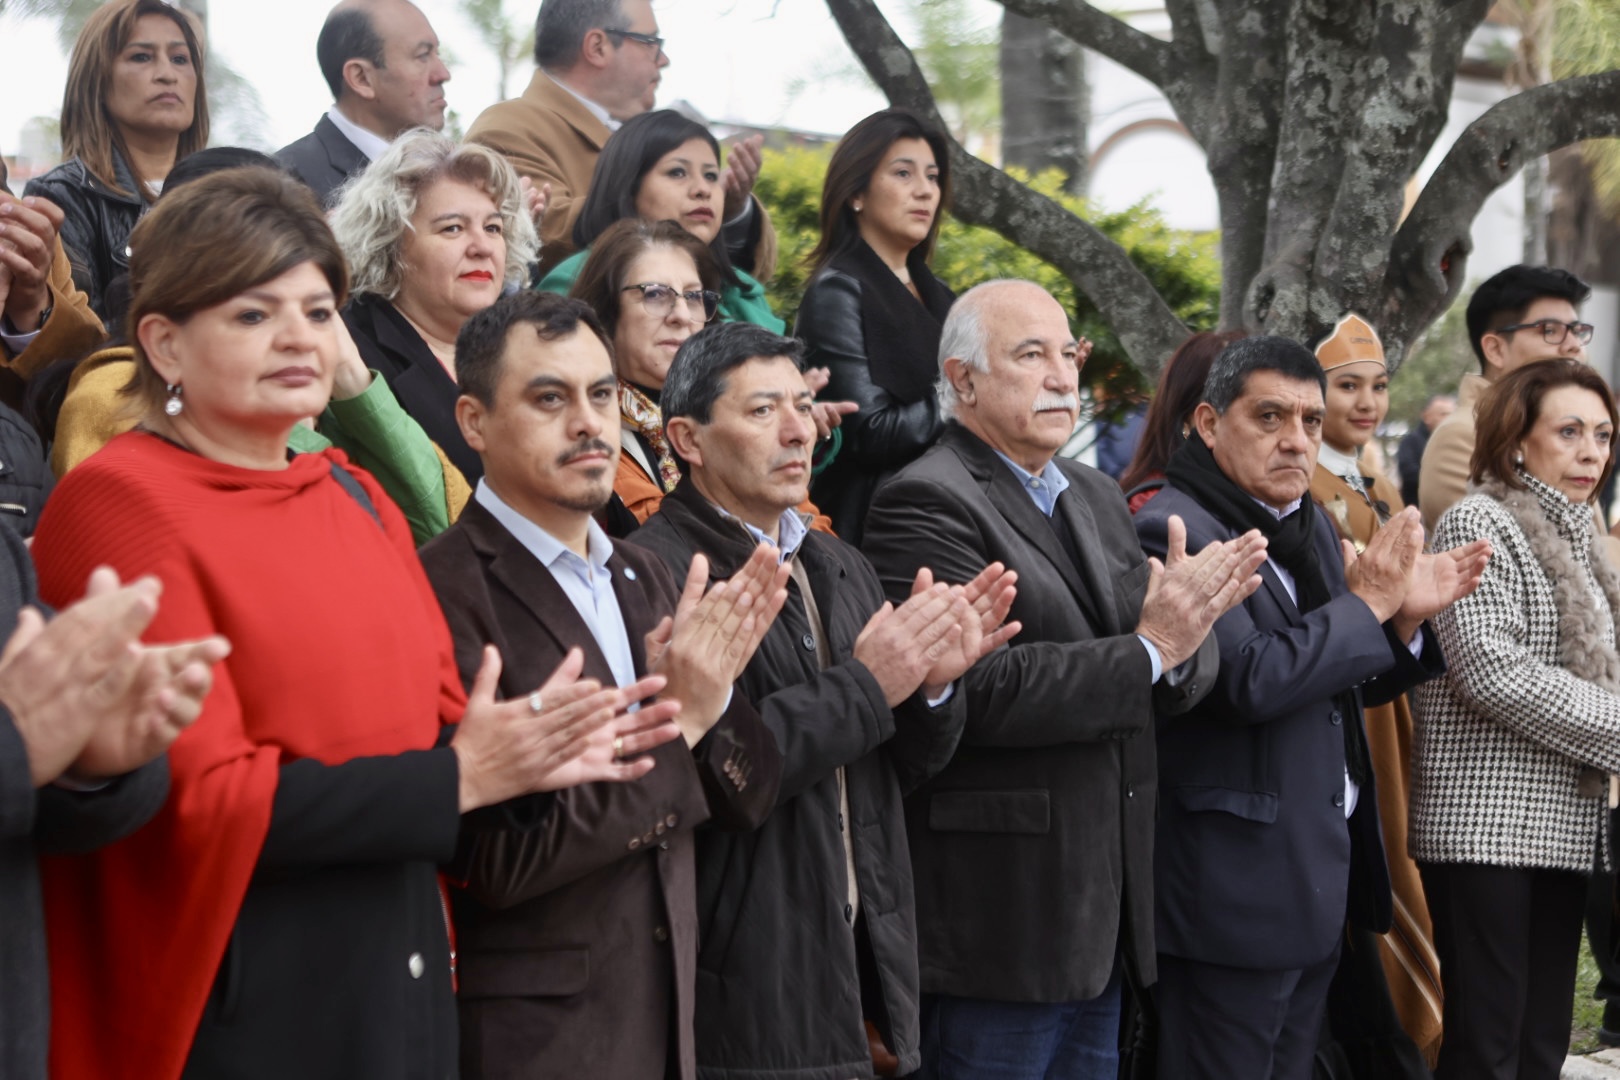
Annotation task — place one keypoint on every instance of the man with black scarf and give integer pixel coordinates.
(1268, 831)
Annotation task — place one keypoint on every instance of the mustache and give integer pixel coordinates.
(1048, 399)
(584, 446)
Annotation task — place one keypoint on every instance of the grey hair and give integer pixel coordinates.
(374, 209)
(963, 337)
(561, 26)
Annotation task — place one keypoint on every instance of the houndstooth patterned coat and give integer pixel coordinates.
(1512, 743)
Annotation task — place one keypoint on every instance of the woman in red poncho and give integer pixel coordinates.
(281, 916)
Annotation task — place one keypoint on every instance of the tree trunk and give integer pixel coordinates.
(1044, 100)
(1535, 212)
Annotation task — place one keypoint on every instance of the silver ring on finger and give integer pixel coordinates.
(535, 705)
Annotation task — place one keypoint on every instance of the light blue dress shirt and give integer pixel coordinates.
(1043, 491)
(588, 582)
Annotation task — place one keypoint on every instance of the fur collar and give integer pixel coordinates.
(1552, 525)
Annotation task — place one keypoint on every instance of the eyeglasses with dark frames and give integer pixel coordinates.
(660, 299)
(1553, 331)
(652, 41)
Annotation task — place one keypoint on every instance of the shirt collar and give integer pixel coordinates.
(790, 531)
(366, 141)
(1276, 513)
(545, 547)
(596, 110)
(1337, 462)
(1045, 487)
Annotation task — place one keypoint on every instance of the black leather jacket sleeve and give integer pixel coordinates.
(885, 433)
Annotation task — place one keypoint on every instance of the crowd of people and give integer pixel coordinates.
(459, 634)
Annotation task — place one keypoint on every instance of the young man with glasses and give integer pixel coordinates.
(1523, 314)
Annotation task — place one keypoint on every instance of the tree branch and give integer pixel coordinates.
(1186, 29)
(1242, 143)
(1326, 84)
(1412, 66)
(984, 195)
(1183, 73)
(1428, 261)
(1095, 29)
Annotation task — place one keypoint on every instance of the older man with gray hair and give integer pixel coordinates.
(1032, 850)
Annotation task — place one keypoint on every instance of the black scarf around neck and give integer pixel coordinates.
(902, 336)
(1290, 542)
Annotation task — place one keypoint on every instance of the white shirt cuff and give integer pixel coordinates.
(1153, 655)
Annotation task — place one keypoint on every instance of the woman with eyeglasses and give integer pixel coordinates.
(873, 310)
(433, 231)
(653, 284)
(661, 166)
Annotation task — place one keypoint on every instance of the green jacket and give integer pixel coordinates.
(743, 302)
(381, 438)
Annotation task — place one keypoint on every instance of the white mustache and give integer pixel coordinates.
(1048, 399)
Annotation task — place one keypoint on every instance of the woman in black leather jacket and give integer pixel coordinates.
(134, 105)
(872, 312)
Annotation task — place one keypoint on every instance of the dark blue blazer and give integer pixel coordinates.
(1255, 865)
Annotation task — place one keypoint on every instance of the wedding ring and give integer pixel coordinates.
(534, 703)
(618, 748)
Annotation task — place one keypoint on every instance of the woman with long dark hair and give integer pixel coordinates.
(661, 166)
(873, 310)
(135, 104)
(1181, 388)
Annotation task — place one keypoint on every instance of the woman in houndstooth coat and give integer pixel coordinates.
(1514, 745)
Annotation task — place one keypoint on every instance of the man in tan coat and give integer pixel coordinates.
(599, 65)
(1523, 314)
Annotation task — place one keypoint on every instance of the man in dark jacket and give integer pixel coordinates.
(381, 60)
(577, 931)
(85, 715)
(1033, 847)
(807, 926)
(1268, 833)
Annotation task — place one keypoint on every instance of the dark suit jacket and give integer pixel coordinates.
(1255, 866)
(324, 159)
(391, 346)
(47, 819)
(1034, 845)
(577, 929)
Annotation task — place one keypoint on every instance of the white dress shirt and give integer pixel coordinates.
(588, 583)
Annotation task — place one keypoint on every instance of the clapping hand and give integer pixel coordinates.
(826, 414)
(704, 648)
(535, 200)
(85, 693)
(741, 171)
(28, 229)
(1187, 593)
(570, 731)
(989, 598)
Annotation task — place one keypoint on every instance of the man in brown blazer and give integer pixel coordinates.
(598, 65)
(577, 923)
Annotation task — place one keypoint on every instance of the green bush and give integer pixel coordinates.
(1184, 267)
